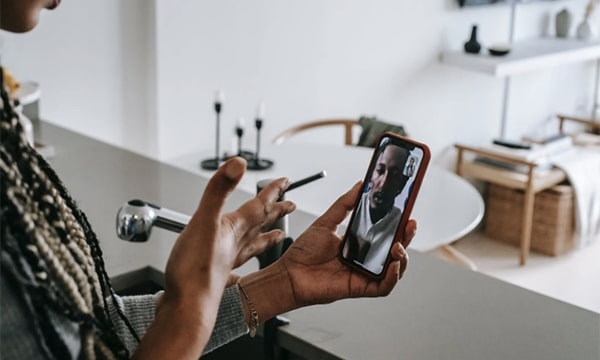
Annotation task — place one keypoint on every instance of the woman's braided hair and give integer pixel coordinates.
(50, 251)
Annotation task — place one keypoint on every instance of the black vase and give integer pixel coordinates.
(473, 46)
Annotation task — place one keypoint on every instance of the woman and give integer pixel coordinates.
(57, 301)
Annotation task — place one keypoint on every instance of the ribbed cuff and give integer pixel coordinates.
(231, 323)
(139, 310)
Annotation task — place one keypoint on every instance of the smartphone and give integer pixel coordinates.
(389, 191)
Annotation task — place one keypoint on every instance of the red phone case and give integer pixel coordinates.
(366, 245)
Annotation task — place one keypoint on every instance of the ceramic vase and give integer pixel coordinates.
(473, 46)
(563, 23)
(586, 30)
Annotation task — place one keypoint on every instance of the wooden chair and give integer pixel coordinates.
(592, 126)
(347, 124)
(370, 129)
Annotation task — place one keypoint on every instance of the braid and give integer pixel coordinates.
(96, 259)
(52, 252)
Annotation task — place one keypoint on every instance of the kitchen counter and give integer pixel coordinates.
(438, 311)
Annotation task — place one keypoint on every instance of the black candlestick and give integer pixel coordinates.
(213, 164)
(258, 123)
(239, 131)
(218, 107)
(257, 163)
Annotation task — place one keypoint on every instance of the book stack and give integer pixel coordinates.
(537, 151)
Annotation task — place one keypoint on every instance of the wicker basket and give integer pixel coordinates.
(553, 218)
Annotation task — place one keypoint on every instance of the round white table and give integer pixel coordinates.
(448, 207)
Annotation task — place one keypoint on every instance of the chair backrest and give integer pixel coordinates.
(347, 125)
(371, 129)
(593, 126)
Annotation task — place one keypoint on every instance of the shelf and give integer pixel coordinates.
(514, 180)
(526, 56)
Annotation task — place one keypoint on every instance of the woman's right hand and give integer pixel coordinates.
(221, 242)
(201, 260)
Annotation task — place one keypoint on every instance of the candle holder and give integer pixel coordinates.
(256, 163)
(239, 133)
(214, 163)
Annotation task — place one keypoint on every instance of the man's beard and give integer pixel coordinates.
(380, 199)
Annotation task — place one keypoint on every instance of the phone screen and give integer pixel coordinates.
(390, 185)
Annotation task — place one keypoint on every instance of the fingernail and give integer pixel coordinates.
(403, 252)
(235, 168)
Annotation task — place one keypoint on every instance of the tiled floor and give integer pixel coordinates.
(573, 277)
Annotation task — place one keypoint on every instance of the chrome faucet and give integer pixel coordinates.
(136, 218)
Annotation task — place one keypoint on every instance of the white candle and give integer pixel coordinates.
(219, 97)
(260, 110)
(240, 123)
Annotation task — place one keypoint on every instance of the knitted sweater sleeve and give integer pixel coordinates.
(139, 310)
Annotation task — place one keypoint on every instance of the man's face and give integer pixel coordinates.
(387, 180)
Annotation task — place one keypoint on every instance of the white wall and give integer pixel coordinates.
(94, 61)
(143, 74)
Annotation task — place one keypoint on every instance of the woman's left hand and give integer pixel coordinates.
(310, 271)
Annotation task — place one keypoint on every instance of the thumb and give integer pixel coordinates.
(340, 208)
(219, 187)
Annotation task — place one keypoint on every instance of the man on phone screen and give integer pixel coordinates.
(376, 218)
